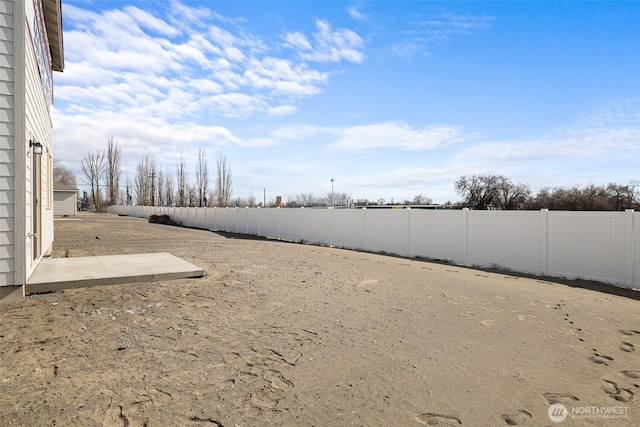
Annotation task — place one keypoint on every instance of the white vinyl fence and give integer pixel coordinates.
(601, 246)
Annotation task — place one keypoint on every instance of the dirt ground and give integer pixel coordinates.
(296, 335)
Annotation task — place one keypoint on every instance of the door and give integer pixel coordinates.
(36, 203)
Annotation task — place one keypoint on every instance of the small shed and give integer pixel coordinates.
(64, 199)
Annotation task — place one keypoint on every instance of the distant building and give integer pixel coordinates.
(65, 200)
(30, 50)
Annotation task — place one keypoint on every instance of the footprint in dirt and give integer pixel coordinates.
(617, 392)
(600, 359)
(264, 399)
(552, 398)
(277, 380)
(431, 419)
(518, 418)
(631, 374)
(627, 346)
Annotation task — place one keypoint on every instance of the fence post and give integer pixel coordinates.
(278, 221)
(408, 209)
(364, 227)
(629, 249)
(330, 228)
(544, 241)
(465, 236)
(259, 216)
(226, 219)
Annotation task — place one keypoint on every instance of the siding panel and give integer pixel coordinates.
(7, 143)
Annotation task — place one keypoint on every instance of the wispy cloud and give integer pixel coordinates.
(450, 25)
(366, 138)
(426, 31)
(394, 135)
(328, 45)
(355, 12)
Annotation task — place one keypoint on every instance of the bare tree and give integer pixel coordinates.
(202, 177)
(192, 196)
(144, 182)
(129, 195)
(113, 171)
(251, 201)
(183, 183)
(511, 196)
(419, 199)
(306, 199)
(337, 199)
(169, 189)
(62, 174)
(161, 199)
(224, 180)
(479, 191)
(93, 166)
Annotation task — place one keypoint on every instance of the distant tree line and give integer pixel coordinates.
(499, 192)
(151, 186)
(310, 200)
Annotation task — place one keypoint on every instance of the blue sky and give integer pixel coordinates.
(390, 99)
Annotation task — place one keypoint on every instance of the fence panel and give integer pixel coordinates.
(242, 220)
(317, 226)
(506, 239)
(269, 222)
(253, 221)
(436, 234)
(348, 228)
(290, 224)
(587, 245)
(387, 230)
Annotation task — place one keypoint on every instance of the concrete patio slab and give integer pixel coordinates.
(55, 274)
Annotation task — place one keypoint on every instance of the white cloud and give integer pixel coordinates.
(424, 31)
(330, 45)
(149, 21)
(282, 110)
(613, 131)
(355, 11)
(366, 138)
(395, 135)
(449, 25)
(298, 40)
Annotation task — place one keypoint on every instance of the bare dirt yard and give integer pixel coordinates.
(295, 335)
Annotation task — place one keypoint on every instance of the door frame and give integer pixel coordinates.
(36, 203)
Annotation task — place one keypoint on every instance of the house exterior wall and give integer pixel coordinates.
(64, 203)
(7, 142)
(38, 127)
(26, 86)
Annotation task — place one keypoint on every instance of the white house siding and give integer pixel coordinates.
(7, 193)
(38, 127)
